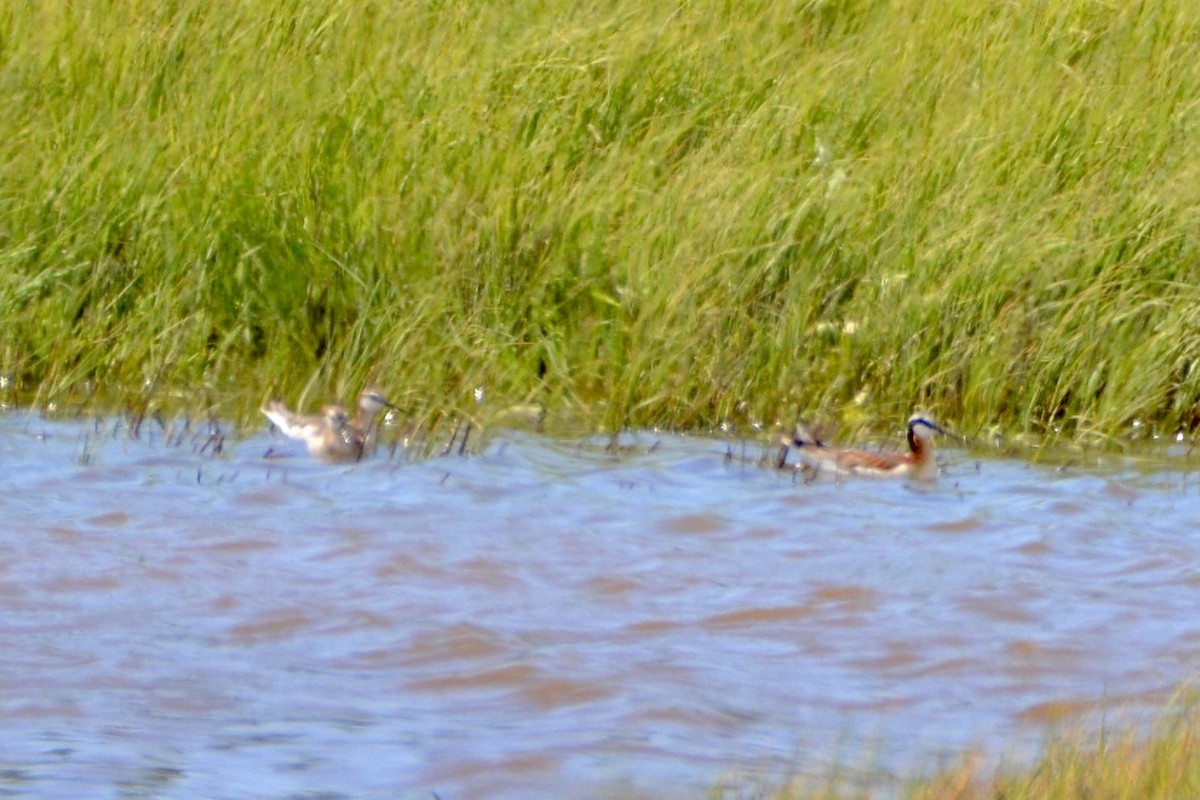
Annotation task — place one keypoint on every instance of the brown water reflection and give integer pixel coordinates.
(547, 619)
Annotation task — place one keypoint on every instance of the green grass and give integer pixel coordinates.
(673, 214)
(676, 214)
(1164, 765)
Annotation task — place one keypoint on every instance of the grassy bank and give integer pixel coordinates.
(1163, 766)
(666, 214)
(1158, 764)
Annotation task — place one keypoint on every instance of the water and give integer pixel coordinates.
(548, 619)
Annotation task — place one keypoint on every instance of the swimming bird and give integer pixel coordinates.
(332, 435)
(918, 463)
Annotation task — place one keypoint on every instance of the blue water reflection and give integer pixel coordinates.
(548, 618)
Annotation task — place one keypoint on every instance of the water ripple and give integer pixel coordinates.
(554, 618)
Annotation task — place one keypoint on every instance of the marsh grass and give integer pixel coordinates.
(673, 215)
(1161, 764)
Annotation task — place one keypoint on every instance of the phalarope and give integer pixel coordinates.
(918, 463)
(332, 435)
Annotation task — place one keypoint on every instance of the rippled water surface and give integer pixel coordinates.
(548, 619)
